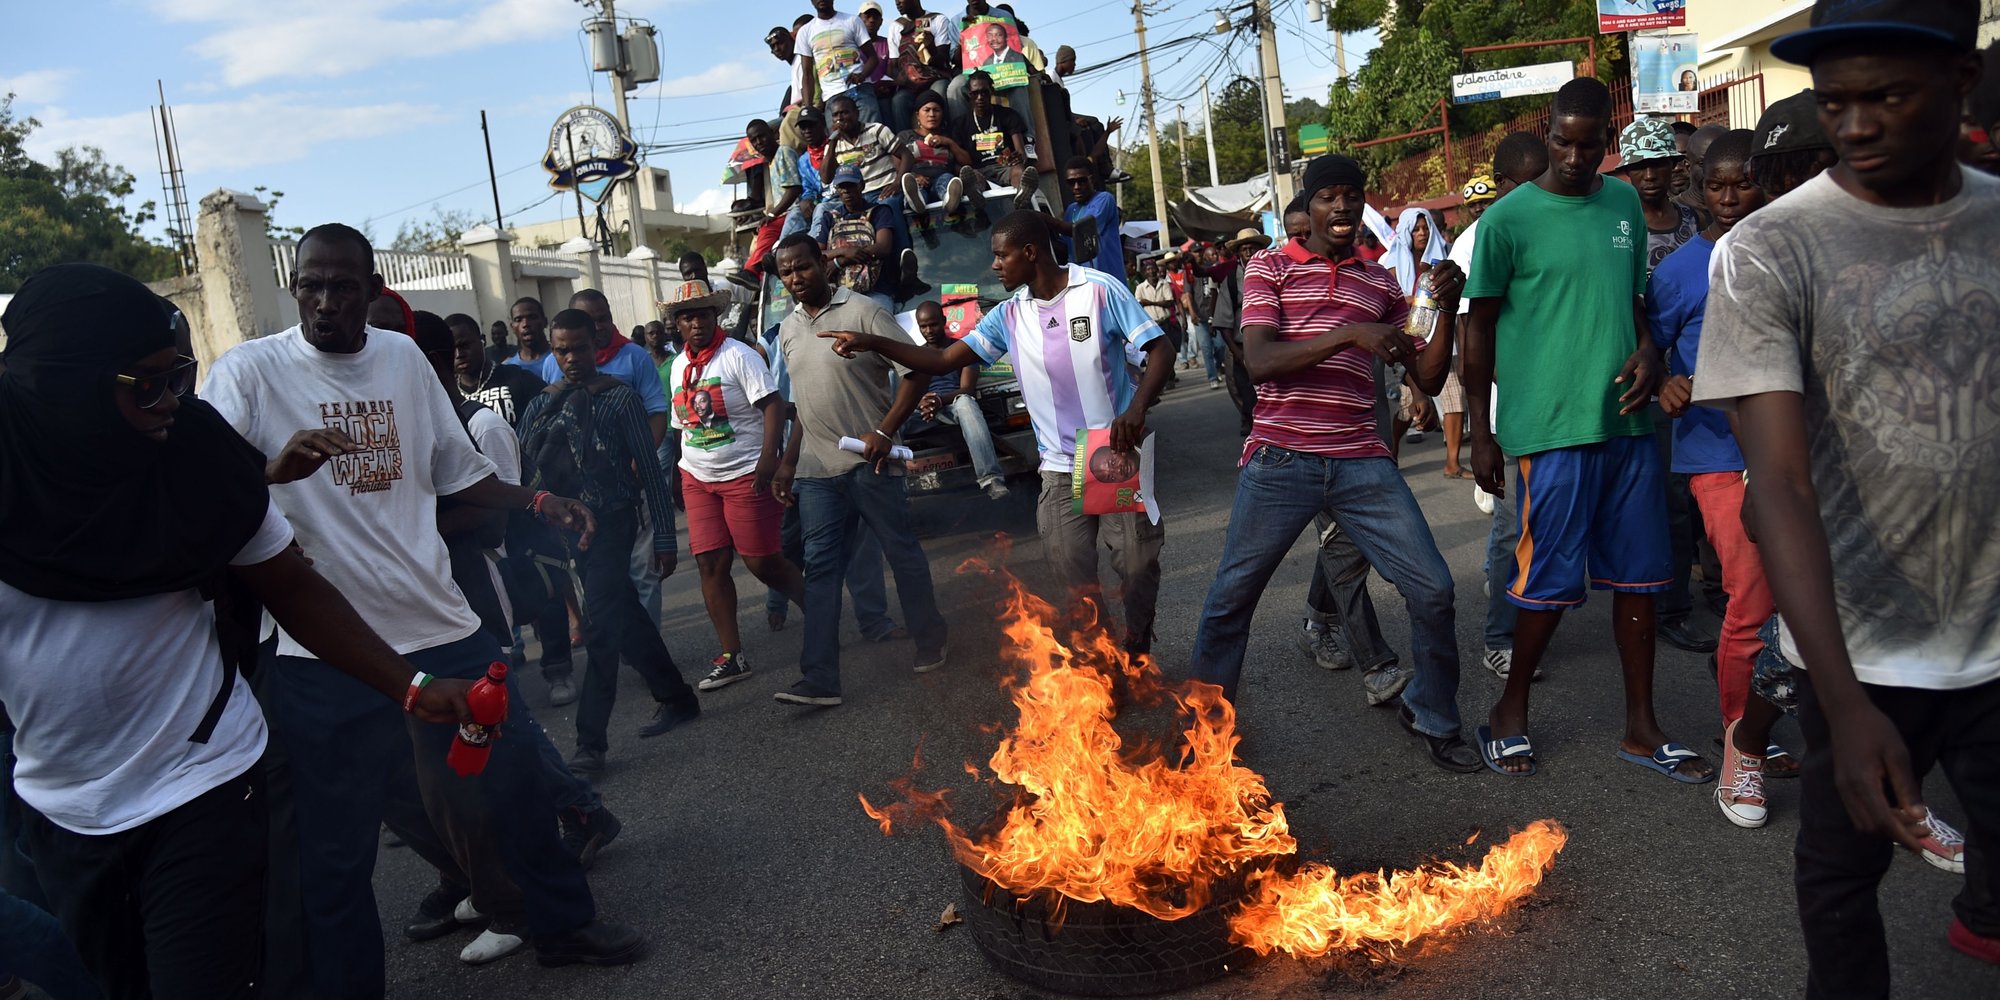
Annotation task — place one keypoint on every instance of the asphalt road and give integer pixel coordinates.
(747, 860)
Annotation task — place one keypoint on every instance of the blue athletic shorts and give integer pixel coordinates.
(1596, 513)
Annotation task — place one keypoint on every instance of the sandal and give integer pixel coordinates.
(1492, 752)
(1779, 763)
(1667, 760)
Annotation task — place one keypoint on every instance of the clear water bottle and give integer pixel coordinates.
(1423, 319)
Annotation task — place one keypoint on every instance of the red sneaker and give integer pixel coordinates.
(1979, 946)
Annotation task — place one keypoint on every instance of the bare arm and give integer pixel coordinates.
(312, 611)
(1129, 428)
(1267, 357)
(773, 407)
(1476, 377)
(489, 526)
(915, 357)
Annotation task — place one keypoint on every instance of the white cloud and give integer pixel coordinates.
(729, 76)
(37, 86)
(713, 201)
(232, 135)
(262, 41)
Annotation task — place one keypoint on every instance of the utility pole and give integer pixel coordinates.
(1274, 105)
(628, 186)
(1208, 131)
(1152, 132)
(1180, 118)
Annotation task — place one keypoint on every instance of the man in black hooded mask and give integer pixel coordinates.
(124, 510)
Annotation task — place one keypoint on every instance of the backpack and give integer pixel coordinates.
(914, 69)
(851, 231)
(536, 567)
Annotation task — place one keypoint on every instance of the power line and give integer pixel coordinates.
(459, 190)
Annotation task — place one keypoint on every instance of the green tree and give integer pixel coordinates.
(71, 210)
(1405, 77)
(1238, 112)
(438, 232)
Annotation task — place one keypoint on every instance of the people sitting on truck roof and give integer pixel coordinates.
(934, 159)
(995, 137)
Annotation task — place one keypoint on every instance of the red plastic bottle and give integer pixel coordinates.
(488, 700)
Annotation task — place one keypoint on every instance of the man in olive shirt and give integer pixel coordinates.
(836, 490)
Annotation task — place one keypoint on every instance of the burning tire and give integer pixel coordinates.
(1101, 949)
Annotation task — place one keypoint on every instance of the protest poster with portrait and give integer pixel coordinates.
(1638, 15)
(1107, 480)
(1664, 74)
(993, 46)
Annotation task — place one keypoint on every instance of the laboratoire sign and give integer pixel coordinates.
(588, 151)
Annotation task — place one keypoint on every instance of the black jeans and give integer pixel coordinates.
(1338, 595)
(1839, 868)
(172, 909)
(616, 625)
(1242, 391)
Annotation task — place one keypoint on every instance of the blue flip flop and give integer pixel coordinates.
(1667, 760)
(1494, 751)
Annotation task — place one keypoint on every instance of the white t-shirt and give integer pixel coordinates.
(1463, 257)
(722, 430)
(499, 444)
(105, 696)
(835, 44)
(368, 520)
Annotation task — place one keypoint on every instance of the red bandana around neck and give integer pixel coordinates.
(609, 351)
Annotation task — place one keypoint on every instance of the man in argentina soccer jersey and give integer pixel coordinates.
(1072, 332)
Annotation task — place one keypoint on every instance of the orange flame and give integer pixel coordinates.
(1317, 911)
(1096, 820)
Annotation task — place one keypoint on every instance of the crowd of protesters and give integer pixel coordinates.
(244, 622)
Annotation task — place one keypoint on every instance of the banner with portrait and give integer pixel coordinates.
(993, 46)
(1614, 16)
(1665, 77)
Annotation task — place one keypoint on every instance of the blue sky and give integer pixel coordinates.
(368, 110)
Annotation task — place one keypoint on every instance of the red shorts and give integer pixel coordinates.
(731, 515)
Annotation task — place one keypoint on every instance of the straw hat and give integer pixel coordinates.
(1251, 237)
(693, 295)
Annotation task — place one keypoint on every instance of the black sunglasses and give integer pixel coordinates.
(149, 390)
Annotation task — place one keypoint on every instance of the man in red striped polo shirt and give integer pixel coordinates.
(1313, 313)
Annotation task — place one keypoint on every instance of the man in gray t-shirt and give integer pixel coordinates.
(832, 398)
(1851, 326)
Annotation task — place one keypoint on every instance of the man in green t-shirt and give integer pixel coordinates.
(1557, 318)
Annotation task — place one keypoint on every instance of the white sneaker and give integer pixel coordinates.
(913, 194)
(1500, 661)
(490, 946)
(954, 192)
(466, 914)
(996, 490)
(1482, 500)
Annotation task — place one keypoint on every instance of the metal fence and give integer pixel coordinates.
(400, 269)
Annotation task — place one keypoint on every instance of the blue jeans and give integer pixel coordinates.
(1203, 336)
(865, 102)
(864, 578)
(963, 413)
(1500, 541)
(1277, 496)
(830, 510)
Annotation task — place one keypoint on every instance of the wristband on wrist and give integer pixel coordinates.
(885, 437)
(535, 502)
(417, 685)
